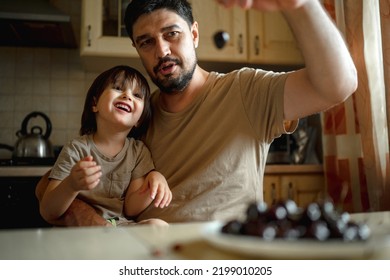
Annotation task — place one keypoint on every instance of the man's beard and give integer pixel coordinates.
(171, 85)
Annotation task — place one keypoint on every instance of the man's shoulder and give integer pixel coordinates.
(243, 72)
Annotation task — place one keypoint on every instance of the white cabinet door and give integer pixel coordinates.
(213, 18)
(93, 40)
(271, 40)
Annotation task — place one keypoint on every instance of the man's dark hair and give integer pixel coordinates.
(137, 8)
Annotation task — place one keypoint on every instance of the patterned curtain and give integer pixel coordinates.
(355, 133)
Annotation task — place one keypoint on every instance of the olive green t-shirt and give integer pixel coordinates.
(213, 153)
(132, 162)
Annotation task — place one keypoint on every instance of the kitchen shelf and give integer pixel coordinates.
(293, 168)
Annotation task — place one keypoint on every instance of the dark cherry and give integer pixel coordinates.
(284, 220)
(232, 227)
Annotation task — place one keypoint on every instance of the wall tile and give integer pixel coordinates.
(42, 60)
(23, 103)
(41, 88)
(8, 62)
(24, 86)
(7, 85)
(24, 62)
(59, 104)
(7, 103)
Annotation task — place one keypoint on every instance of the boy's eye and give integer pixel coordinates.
(138, 95)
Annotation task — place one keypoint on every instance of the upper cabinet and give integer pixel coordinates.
(256, 38)
(213, 18)
(104, 41)
(271, 40)
(102, 29)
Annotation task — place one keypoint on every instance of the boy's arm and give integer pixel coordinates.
(136, 201)
(143, 191)
(79, 213)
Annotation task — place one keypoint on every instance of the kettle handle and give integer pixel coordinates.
(23, 131)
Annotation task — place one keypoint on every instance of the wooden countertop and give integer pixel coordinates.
(23, 171)
(38, 171)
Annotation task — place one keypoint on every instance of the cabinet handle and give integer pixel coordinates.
(257, 45)
(89, 36)
(273, 193)
(290, 191)
(240, 44)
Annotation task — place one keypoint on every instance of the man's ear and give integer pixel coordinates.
(195, 34)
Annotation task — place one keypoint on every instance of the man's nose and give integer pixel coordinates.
(162, 48)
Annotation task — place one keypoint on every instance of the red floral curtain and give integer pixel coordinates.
(355, 133)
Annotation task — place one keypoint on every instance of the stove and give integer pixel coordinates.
(27, 161)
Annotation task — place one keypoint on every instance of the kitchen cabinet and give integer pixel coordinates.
(255, 38)
(216, 18)
(302, 183)
(102, 29)
(19, 204)
(271, 40)
(104, 41)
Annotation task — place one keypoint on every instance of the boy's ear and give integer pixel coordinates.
(94, 108)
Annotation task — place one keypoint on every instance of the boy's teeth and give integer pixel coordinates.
(123, 107)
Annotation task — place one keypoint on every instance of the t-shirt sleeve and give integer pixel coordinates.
(67, 158)
(262, 95)
(144, 163)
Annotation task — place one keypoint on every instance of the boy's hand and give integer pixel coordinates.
(85, 175)
(158, 187)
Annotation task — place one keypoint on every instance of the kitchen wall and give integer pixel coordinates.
(54, 82)
(43, 79)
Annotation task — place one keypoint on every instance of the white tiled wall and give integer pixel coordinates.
(43, 79)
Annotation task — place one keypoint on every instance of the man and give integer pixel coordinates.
(211, 132)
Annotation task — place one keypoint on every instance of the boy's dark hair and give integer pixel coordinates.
(127, 76)
(137, 8)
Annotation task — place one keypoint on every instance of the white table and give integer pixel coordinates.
(177, 241)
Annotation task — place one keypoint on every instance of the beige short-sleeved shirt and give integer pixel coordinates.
(132, 162)
(213, 153)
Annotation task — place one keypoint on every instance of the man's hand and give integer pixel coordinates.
(263, 5)
(81, 214)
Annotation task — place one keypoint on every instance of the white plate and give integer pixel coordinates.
(283, 249)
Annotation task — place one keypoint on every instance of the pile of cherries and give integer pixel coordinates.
(284, 220)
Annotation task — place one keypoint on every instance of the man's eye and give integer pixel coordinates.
(145, 43)
(173, 34)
